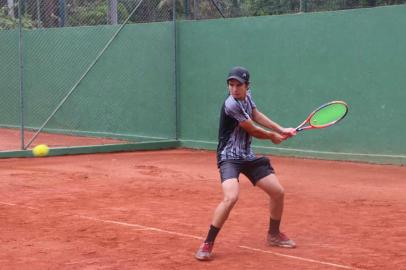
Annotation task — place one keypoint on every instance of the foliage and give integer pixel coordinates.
(94, 14)
(236, 8)
(7, 22)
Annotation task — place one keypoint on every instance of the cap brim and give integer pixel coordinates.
(241, 80)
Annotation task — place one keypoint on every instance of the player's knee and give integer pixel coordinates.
(279, 194)
(230, 200)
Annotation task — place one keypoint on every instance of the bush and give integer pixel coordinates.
(94, 15)
(7, 22)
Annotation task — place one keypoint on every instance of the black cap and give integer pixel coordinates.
(241, 74)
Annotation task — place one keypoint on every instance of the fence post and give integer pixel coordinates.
(61, 12)
(21, 74)
(187, 9)
(175, 73)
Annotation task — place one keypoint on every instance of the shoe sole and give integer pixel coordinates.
(282, 246)
(203, 258)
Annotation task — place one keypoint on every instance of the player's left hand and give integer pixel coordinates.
(288, 132)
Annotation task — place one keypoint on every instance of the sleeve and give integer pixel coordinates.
(235, 110)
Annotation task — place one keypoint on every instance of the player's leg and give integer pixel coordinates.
(271, 185)
(231, 189)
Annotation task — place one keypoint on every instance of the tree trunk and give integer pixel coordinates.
(196, 9)
(10, 4)
(113, 12)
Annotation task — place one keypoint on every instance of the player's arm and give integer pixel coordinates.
(264, 121)
(260, 133)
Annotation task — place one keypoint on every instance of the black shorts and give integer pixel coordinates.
(254, 170)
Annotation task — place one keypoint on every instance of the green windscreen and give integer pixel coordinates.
(328, 114)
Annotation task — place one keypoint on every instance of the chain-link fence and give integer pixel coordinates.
(209, 9)
(78, 72)
(65, 13)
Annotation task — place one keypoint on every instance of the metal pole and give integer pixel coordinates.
(175, 73)
(61, 10)
(38, 13)
(187, 11)
(21, 75)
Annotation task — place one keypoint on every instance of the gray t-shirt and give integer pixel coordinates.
(234, 141)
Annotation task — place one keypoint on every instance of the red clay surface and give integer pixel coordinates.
(147, 210)
(10, 139)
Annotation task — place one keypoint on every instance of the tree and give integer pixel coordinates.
(94, 13)
(10, 4)
(8, 22)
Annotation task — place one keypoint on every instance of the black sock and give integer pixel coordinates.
(211, 236)
(274, 226)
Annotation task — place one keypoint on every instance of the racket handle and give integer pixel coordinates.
(301, 128)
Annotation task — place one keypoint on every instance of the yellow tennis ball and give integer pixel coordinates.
(40, 150)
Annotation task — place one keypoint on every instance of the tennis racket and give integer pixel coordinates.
(324, 116)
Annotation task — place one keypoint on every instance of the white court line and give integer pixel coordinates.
(21, 206)
(12, 204)
(300, 258)
(200, 238)
(147, 228)
(141, 226)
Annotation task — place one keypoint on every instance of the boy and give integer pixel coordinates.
(235, 156)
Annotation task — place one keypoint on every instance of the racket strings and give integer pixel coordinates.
(328, 114)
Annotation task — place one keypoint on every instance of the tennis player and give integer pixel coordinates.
(240, 120)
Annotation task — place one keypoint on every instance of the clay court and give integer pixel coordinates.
(151, 210)
(124, 92)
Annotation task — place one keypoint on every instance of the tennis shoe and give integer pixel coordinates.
(204, 251)
(280, 240)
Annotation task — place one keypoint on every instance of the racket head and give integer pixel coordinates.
(326, 115)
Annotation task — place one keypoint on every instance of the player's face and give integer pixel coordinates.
(237, 90)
